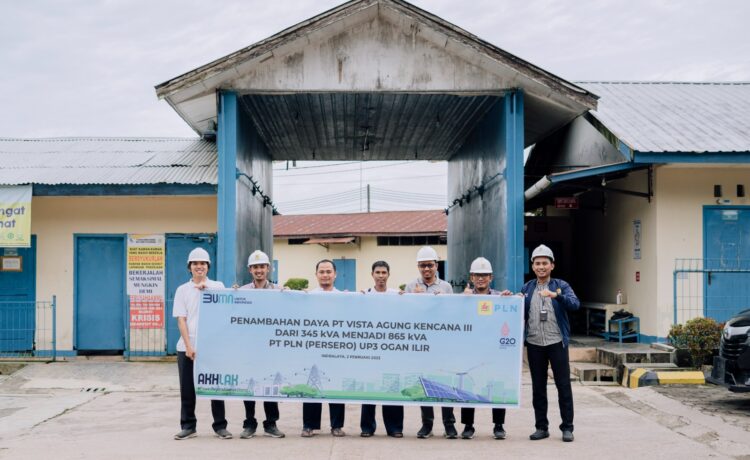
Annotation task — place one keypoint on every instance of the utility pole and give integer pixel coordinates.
(368, 197)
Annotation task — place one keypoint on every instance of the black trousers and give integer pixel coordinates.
(467, 416)
(428, 415)
(393, 419)
(270, 408)
(187, 397)
(555, 355)
(312, 412)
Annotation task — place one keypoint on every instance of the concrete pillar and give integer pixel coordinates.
(489, 221)
(245, 176)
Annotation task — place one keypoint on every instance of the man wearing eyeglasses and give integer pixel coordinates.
(428, 282)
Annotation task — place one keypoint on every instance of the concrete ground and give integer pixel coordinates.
(115, 410)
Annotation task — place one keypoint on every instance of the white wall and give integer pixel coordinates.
(298, 261)
(672, 228)
(56, 219)
(605, 251)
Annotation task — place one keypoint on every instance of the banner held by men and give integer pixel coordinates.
(447, 350)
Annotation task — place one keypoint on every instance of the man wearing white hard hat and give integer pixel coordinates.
(480, 275)
(429, 282)
(259, 267)
(547, 303)
(186, 309)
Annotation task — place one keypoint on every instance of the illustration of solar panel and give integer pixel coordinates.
(440, 391)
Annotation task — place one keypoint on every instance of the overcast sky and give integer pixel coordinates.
(88, 68)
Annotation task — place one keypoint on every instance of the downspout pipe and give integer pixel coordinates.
(541, 185)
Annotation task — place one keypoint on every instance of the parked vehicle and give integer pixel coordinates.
(732, 366)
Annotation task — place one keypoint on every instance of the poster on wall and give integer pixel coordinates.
(146, 263)
(637, 239)
(15, 216)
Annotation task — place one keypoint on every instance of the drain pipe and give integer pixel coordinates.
(541, 185)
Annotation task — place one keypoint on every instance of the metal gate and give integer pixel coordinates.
(711, 288)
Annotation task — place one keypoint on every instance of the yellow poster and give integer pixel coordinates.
(15, 216)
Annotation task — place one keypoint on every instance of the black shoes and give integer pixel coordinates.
(365, 434)
(567, 436)
(223, 434)
(468, 432)
(498, 432)
(539, 434)
(272, 432)
(450, 431)
(247, 433)
(185, 434)
(424, 432)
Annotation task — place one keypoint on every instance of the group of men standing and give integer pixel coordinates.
(547, 330)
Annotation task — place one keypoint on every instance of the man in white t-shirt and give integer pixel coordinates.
(393, 416)
(186, 308)
(325, 272)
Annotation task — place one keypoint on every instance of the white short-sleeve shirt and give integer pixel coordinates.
(187, 301)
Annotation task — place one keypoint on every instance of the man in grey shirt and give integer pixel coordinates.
(259, 266)
(546, 305)
(429, 282)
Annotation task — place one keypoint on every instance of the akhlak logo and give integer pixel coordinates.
(484, 307)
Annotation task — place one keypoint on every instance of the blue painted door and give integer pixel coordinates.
(346, 274)
(727, 261)
(100, 293)
(17, 297)
(178, 248)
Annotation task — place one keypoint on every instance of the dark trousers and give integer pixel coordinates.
(312, 412)
(393, 419)
(187, 397)
(270, 408)
(428, 415)
(467, 416)
(555, 355)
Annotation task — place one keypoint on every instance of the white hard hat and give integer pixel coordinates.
(426, 253)
(542, 251)
(258, 258)
(199, 255)
(480, 266)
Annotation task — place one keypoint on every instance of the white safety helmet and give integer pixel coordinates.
(258, 258)
(542, 251)
(199, 255)
(481, 266)
(426, 253)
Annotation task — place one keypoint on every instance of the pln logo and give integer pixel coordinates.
(485, 307)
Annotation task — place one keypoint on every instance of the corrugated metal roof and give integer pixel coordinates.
(110, 161)
(374, 223)
(342, 126)
(676, 117)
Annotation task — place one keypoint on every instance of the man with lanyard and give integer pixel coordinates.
(546, 305)
(393, 416)
(185, 309)
(429, 282)
(259, 267)
(480, 275)
(325, 272)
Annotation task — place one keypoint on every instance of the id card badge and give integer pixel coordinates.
(543, 314)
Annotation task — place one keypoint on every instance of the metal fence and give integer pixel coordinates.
(28, 330)
(711, 288)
